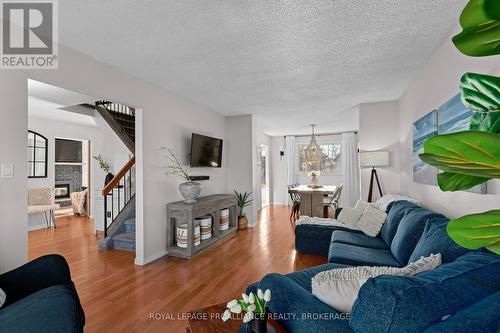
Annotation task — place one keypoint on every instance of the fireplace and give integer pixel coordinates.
(62, 191)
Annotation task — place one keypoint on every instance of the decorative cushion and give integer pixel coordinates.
(358, 239)
(339, 287)
(360, 256)
(360, 204)
(435, 239)
(411, 304)
(350, 216)
(3, 297)
(384, 201)
(424, 264)
(394, 216)
(371, 221)
(409, 232)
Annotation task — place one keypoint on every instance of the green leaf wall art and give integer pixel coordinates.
(477, 230)
(471, 153)
(451, 182)
(480, 21)
(481, 94)
(470, 158)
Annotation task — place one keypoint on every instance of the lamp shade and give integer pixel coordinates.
(368, 159)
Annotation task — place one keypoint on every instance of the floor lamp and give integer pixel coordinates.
(372, 159)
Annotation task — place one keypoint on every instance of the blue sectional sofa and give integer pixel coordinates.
(41, 298)
(461, 295)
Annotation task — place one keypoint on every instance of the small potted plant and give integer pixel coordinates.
(254, 307)
(244, 200)
(104, 167)
(190, 190)
(313, 175)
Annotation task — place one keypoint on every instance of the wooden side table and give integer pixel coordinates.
(208, 320)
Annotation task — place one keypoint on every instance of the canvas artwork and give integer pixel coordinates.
(424, 128)
(454, 116)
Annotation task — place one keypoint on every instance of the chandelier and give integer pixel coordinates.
(313, 152)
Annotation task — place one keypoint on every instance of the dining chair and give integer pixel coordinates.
(295, 197)
(332, 200)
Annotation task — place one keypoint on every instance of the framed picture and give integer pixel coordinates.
(423, 129)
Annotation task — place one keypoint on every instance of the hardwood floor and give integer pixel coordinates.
(118, 296)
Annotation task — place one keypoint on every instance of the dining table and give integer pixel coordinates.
(311, 198)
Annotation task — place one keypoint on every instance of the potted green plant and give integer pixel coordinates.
(472, 157)
(190, 190)
(244, 199)
(104, 165)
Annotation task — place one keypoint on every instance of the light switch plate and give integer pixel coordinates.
(7, 170)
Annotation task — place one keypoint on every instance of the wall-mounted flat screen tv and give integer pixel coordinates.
(206, 151)
(68, 151)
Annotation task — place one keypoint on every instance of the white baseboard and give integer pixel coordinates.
(147, 260)
(37, 227)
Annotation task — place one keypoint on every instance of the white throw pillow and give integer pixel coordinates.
(339, 287)
(349, 216)
(386, 200)
(371, 221)
(424, 264)
(3, 297)
(363, 204)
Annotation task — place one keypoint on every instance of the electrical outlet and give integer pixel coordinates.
(7, 170)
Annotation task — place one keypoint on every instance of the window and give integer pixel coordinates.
(37, 155)
(331, 158)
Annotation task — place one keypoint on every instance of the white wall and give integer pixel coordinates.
(438, 81)
(168, 121)
(102, 141)
(241, 160)
(278, 172)
(378, 128)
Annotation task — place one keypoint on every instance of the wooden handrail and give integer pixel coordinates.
(126, 168)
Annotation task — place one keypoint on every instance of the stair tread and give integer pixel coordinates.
(124, 237)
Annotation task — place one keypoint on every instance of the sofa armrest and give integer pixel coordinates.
(36, 275)
(299, 310)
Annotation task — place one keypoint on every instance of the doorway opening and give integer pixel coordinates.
(264, 176)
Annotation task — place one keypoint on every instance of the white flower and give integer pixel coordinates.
(236, 309)
(251, 298)
(245, 297)
(252, 307)
(247, 317)
(260, 294)
(267, 295)
(226, 315)
(232, 303)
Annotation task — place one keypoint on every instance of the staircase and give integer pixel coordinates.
(119, 193)
(121, 119)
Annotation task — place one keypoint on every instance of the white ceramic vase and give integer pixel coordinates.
(190, 191)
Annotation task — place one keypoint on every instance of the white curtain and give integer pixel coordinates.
(290, 164)
(350, 170)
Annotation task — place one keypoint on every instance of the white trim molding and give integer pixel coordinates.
(145, 261)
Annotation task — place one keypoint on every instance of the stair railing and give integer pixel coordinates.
(117, 107)
(120, 190)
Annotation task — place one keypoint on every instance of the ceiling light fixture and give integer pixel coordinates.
(313, 152)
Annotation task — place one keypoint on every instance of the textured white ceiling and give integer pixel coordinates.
(296, 61)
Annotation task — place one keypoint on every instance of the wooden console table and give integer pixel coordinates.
(182, 213)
